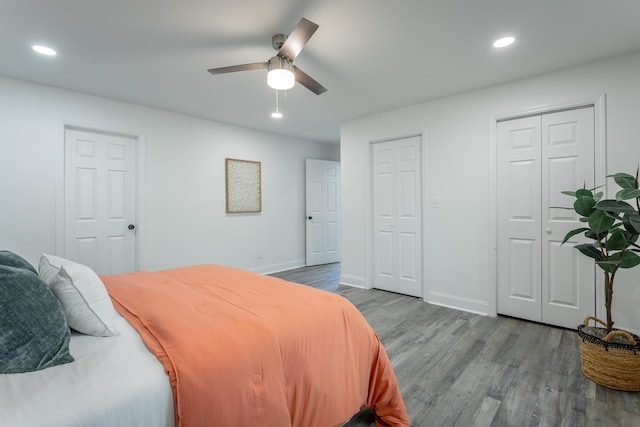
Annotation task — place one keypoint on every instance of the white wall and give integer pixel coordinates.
(185, 219)
(459, 263)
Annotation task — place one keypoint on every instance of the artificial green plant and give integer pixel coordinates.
(613, 227)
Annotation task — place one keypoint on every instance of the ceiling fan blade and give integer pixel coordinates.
(305, 80)
(243, 67)
(297, 39)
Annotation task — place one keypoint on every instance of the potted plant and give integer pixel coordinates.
(609, 356)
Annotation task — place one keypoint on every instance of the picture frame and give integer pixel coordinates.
(243, 186)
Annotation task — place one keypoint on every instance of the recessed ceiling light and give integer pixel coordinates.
(44, 50)
(276, 115)
(504, 42)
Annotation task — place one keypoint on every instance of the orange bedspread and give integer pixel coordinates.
(242, 349)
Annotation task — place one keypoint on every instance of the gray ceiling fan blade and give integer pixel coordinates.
(305, 80)
(243, 67)
(297, 39)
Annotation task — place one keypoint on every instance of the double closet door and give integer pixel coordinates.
(538, 157)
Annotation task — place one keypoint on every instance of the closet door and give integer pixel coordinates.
(568, 277)
(519, 222)
(538, 158)
(397, 214)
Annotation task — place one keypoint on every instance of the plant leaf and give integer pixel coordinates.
(615, 206)
(583, 192)
(598, 196)
(590, 250)
(634, 221)
(625, 180)
(569, 193)
(627, 193)
(599, 221)
(627, 259)
(596, 236)
(610, 266)
(573, 233)
(584, 205)
(617, 241)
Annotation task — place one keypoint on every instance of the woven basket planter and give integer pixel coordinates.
(610, 361)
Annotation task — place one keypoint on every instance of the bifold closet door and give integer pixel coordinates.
(539, 157)
(519, 207)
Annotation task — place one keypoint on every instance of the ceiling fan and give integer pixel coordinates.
(282, 73)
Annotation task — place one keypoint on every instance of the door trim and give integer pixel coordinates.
(140, 190)
(368, 201)
(600, 176)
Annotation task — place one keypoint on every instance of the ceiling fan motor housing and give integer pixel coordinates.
(279, 63)
(278, 40)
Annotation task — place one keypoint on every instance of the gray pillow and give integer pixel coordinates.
(14, 260)
(34, 333)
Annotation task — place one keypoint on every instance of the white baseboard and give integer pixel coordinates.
(353, 281)
(275, 268)
(458, 303)
(352, 285)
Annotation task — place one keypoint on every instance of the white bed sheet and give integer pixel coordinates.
(114, 381)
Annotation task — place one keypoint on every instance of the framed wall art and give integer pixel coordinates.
(243, 186)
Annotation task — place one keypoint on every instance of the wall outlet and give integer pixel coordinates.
(260, 253)
(435, 202)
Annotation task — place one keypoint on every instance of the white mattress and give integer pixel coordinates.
(114, 381)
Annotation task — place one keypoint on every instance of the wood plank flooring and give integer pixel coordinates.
(460, 369)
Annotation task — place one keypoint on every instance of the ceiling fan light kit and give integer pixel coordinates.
(280, 75)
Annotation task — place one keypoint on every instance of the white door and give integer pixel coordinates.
(100, 201)
(397, 216)
(568, 280)
(323, 211)
(519, 213)
(538, 158)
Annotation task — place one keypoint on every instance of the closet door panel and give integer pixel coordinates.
(568, 279)
(519, 198)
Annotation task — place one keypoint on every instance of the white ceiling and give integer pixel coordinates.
(371, 55)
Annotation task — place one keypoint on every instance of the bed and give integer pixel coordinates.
(206, 346)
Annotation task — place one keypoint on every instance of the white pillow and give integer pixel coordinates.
(49, 267)
(84, 299)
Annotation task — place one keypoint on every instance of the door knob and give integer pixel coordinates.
(548, 231)
(131, 227)
(309, 217)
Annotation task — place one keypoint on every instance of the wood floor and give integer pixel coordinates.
(460, 369)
